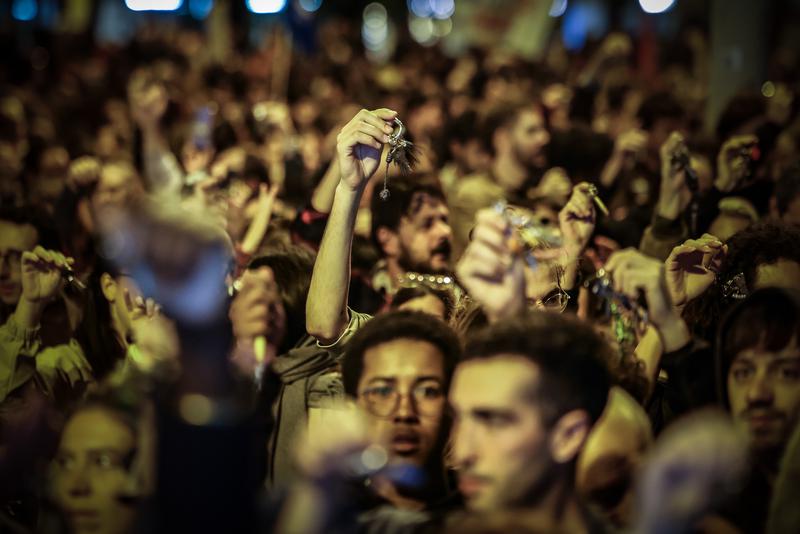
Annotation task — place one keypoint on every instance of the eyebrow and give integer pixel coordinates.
(394, 379)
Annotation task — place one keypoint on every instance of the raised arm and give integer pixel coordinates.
(358, 149)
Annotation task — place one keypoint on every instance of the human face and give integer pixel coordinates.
(499, 440)
(14, 240)
(116, 185)
(764, 394)
(783, 273)
(90, 473)
(542, 289)
(407, 375)
(529, 137)
(425, 236)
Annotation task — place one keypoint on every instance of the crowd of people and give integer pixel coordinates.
(307, 292)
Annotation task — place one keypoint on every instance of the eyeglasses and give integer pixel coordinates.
(556, 301)
(383, 400)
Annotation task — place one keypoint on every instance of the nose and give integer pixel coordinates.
(79, 483)
(463, 448)
(406, 411)
(760, 390)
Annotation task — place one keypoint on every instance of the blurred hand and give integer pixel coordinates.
(630, 142)
(577, 220)
(632, 273)
(360, 143)
(42, 274)
(153, 334)
(692, 266)
(83, 172)
(253, 309)
(732, 166)
(674, 195)
(489, 270)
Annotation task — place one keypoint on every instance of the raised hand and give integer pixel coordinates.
(577, 220)
(148, 101)
(731, 163)
(42, 274)
(83, 173)
(633, 274)
(674, 193)
(488, 269)
(359, 145)
(692, 266)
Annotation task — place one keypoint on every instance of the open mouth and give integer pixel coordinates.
(406, 443)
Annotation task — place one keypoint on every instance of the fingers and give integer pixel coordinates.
(378, 133)
(580, 205)
(46, 259)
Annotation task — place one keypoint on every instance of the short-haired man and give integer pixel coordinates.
(411, 228)
(397, 369)
(19, 233)
(524, 400)
(519, 137)
(759, 380)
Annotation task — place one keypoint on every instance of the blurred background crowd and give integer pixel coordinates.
(399, 266)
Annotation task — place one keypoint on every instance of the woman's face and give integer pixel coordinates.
(90, 474)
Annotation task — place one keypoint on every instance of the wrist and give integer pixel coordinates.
(29, 312)
(346, 192)
(669, 208)
(673, 332)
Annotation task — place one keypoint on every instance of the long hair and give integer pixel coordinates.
(95, 333)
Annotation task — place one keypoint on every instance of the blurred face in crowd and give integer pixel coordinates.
(764, 394)
(14, 240)
(425, 236)
(500, 443)
(528, 138)
(118, 183)
(542, 288)
(402, 389)
(90, 473)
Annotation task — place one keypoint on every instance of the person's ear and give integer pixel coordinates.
(568, 436)
(389, 241)
(109, 287)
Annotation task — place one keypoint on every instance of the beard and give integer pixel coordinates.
(427, 266)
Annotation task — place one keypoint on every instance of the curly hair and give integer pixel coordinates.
(758, 245)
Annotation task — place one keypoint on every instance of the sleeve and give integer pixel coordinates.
(690, 383)
(662, 236)
(357, 320)
(18, 347)
(163, 172)
(325, 389)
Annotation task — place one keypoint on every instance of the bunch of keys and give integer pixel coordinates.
(628, 318)
(402, 152)
(528, 235)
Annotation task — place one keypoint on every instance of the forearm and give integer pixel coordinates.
(322, 199)
(28, 314)
(162, 170)
(326, 307)
(612, 169)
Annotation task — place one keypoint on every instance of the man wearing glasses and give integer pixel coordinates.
(397, 370)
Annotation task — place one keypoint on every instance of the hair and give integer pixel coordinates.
(787, 189)
(27, 215)
(96, 333)
(406, 294)
(411, 325)
(760, 244)
(571, 357)
(661, 105)
(768, 319)
(402, 201)
(292, 269)
(505, 116)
